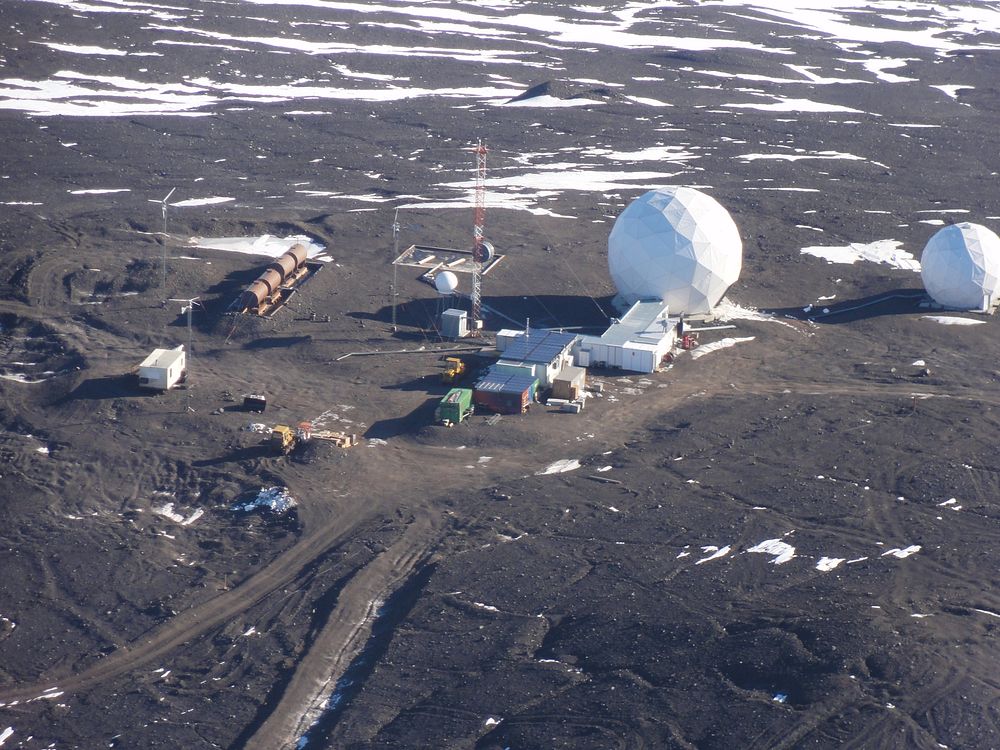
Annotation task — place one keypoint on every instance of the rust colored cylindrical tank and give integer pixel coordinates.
(284, 265)
(253, 295)
(272, 278)
(261, 289)
(299, 253)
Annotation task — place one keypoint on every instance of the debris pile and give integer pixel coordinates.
(274, 499)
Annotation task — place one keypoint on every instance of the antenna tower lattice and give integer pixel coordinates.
(477, 234)
(395, 254)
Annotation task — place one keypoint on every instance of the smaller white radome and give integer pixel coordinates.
(960, 267)
(446, 282)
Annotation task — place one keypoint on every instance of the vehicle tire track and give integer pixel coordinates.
(343, 636)
(192, 623)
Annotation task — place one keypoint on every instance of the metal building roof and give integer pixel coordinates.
(646, 322)
(538, 346)
(163, 358)
(505, 382)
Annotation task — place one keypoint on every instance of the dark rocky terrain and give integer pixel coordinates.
(433, 588)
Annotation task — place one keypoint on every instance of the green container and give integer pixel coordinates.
(454, 407)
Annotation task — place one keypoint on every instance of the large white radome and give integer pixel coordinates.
(678, 245)
(960, 266)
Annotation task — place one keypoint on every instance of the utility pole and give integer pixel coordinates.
(188, 308)
(395, 254)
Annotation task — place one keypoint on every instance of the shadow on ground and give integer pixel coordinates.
(895, 302)
(110, 386)
(544, 311)
(389, 428)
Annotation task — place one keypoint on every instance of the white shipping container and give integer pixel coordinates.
(162, 369)
(505, 336)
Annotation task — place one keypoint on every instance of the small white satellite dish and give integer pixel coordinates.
(446, 282)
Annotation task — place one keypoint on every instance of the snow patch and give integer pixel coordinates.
(901, 553)
(50, 694)
(827, 155)
(951, 320)
(100, 191)
(560, 466)
(728, 310)
(782, 104)
(545, 100)
(952, 89)
(266, 244)
(782, 551)
(716, 553)
(827, 564)
(715, 346)
(202, 201)
(168, 512)
(885, 252)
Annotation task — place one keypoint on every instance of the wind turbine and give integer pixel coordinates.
(163, 205)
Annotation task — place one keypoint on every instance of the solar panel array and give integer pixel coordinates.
(505, 382)
(539, 347)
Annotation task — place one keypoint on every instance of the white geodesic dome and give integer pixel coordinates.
(678, 245)
(960, 266)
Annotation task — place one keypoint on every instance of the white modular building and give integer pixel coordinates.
(637, 342)
(162, 369)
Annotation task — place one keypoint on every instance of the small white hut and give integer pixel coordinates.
(162, 369)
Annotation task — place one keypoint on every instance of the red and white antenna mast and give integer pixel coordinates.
(477, 236)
